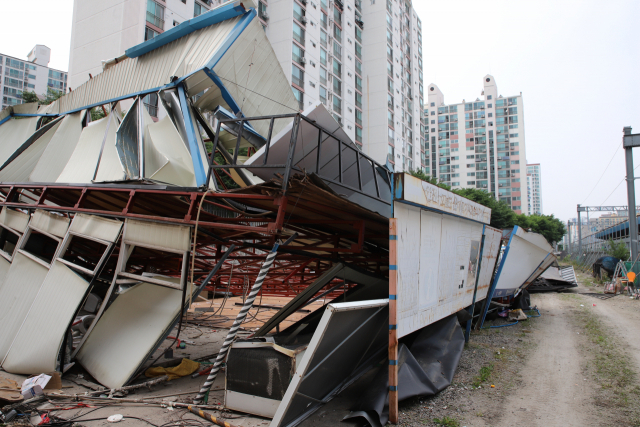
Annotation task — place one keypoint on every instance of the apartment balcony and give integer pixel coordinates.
(155, 20)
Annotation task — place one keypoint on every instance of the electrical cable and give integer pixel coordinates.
(623, 179)
(603, 172)
(259, 94)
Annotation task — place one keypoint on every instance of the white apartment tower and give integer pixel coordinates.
(104, 30)
(362, 59)
(478, 144)
(32, 75)
(534, 194)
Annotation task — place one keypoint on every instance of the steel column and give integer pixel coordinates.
(631, 198)
(579, 233)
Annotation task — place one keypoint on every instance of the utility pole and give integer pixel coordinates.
(628, 142)
(569, 235)
(580, 209)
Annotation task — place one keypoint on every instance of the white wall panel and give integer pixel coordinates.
(490, 253)
(14, 219)
(151, 234)
(50, 223)
(96, 226)
(37, 344)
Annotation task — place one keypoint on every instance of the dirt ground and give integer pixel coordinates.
(575, 365)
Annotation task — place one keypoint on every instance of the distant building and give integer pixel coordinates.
(478, 144)
(104, 30)
(32, 75)
(534, 193)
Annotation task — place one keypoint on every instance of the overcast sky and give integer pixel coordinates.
(576, 63)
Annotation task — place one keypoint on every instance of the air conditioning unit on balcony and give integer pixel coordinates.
(303, 20)
(439, 137)
(303, 2)
(265, 16)
(390, 104)
(499, 131)
(303, 60)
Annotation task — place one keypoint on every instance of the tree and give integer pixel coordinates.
(501, 214)
(97, 113)
(618, 250)
(47, 99)
(431, 180)
(550, 227)
(29, 97)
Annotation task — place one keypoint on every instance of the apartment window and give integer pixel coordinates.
(359, 117)
(359, 83)
(337, 49)
(337, 33)
(262, 10)
(298, 33)
(359, 134)
(513, 101)
(389, 22)
(389, 37)
(490, 114)
(489, 97)
(389, 85)
(14, 63)
(300, 97)
(358, 67)
(390, 118)
(337, 87)
(337, 14)
(389, 53)
(323, 4)
(358, 100)
(358, 51)
(13, 82)
(297, 76)
(323, 57)
(358, 34)
(391, 153)
(14, 73)
(389, 69)
(298, 12)
(324, 20)
(151, 103)
(30, 86)
(323, 95)
(12, 92)
(337, 105)
(155, 14)
(298, 54)
(337, 69)
(323, 38)
(29, 66)
(198, 9)
(390, 103)
(149, 33)
(323, 76)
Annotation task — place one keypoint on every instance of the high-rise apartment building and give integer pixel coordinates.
(32, 75)
(363, 60)
(534, 194)
(478, 144)
(103, 30)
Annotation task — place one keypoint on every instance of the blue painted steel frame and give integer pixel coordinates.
(198, 165)
(492, 289)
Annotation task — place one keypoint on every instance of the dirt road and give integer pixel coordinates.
(576, 365)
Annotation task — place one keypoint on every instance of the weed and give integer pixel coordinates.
(485, 373)
(446, 422)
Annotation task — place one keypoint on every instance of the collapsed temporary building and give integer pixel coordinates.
(122, 221)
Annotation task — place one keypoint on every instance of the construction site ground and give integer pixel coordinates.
(576, 365)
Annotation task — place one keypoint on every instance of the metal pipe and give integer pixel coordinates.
(208, 417)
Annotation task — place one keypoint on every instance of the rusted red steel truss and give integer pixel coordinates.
(251, 219)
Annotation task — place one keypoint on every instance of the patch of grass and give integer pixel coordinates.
(446, 422)
(485, 373)
(609, 362)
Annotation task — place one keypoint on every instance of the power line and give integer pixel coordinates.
(617, 187)
(603, 172)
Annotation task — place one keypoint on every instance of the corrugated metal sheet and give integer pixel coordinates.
(38, 342)
(14, 219)
(50, 223)
(59, 150)
(96, 226)
(152, 70)
(114, 350)
(22, 166)
(154, 235)
(20, 288)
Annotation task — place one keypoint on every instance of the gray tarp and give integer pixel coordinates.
(427, 361)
